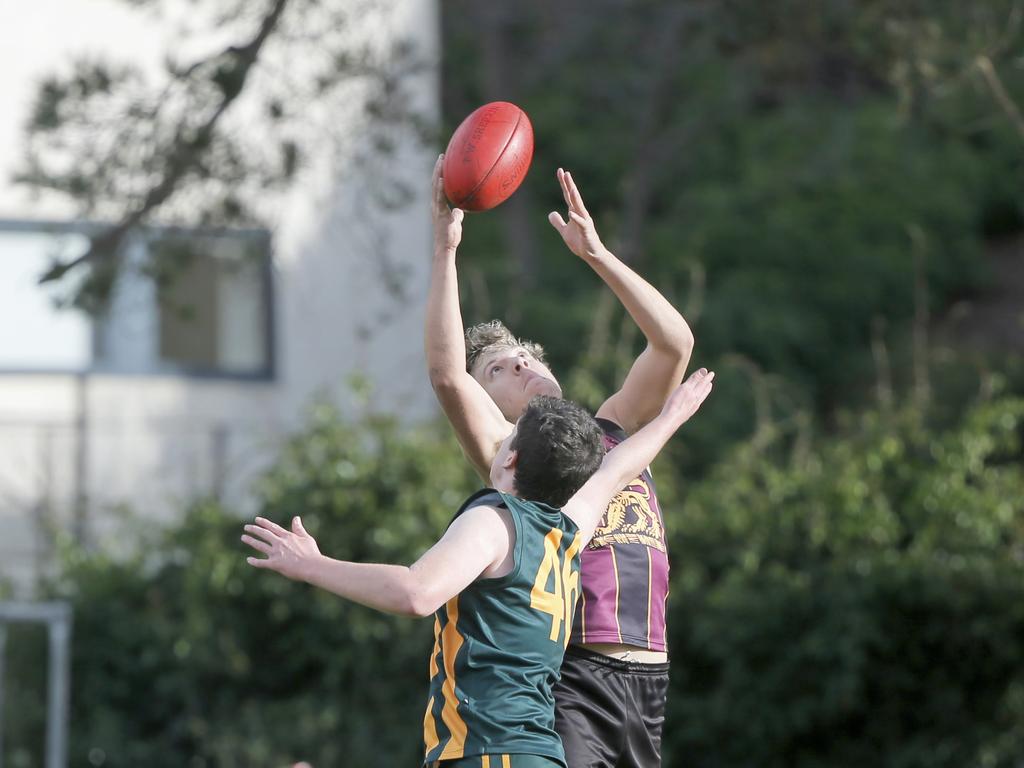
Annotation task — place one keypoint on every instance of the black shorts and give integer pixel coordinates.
(498, 761)
(608, 712)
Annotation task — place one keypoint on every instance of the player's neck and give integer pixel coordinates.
(504, 485)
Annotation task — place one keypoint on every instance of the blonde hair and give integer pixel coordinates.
(485, 338)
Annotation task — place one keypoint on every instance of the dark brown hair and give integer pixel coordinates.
(559, 446)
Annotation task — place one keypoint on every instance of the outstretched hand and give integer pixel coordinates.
(287, 552)
(579, 232)
(687, 397)
(447, 221)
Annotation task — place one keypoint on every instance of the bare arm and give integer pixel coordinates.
(660, 367)
(478, 424)
(476, 542)
(635, 453)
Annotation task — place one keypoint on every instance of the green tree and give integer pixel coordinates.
(859, 603)
(250, 95)
(185, 655)
(758, 163)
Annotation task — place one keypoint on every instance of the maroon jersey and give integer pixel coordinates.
(624, 569)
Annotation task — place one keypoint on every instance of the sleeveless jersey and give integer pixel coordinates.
(624, 568)
(498, 644)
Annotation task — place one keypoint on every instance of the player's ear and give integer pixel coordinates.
(510, 460)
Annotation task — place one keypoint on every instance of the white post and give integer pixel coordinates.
(58, 699)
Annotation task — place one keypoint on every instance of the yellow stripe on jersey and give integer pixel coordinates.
(650, 586)
(437, 647)
(506, 761)
(615, 567)
(430, 739)
(485, 761)
(451, 642)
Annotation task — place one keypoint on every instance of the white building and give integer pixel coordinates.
(147, 407)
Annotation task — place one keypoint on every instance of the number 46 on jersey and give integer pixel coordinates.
(560, 602)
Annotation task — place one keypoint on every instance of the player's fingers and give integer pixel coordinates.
(575, 196)
(457, 214)
(271, 526)
(438, 190)
(262, 533)
(557, 221)
(257, 562)
(704, 388)
(580, 220)
(298, 527)
(692, 392)
(565, 189)
(259, 546)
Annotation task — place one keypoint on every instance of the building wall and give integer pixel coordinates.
(80, 443)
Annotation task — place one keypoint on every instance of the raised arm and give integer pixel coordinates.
(635, 453)
(478, 424)
(660, 367)
(477, 542)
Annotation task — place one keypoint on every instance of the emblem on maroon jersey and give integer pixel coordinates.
(631, 518)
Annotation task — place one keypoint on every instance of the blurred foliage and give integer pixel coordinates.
(184, 655)
(859, 602)
(802, 179)
(844, 600)
(24, 687)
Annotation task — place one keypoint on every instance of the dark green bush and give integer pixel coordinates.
(863, 605)
(857, 602)
(186, 655)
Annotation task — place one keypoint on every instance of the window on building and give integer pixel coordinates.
(214, 308)
(35, 333)
(207, 312)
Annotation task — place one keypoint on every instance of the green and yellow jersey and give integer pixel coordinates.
(498, 644)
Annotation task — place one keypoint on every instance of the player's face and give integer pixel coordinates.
(512, 377)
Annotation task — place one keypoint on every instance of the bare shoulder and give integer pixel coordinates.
(611, 411)
(486, 519)
(490, 529)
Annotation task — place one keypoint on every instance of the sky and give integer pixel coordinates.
(37, 38)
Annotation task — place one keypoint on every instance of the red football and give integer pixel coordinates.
(488, 156)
